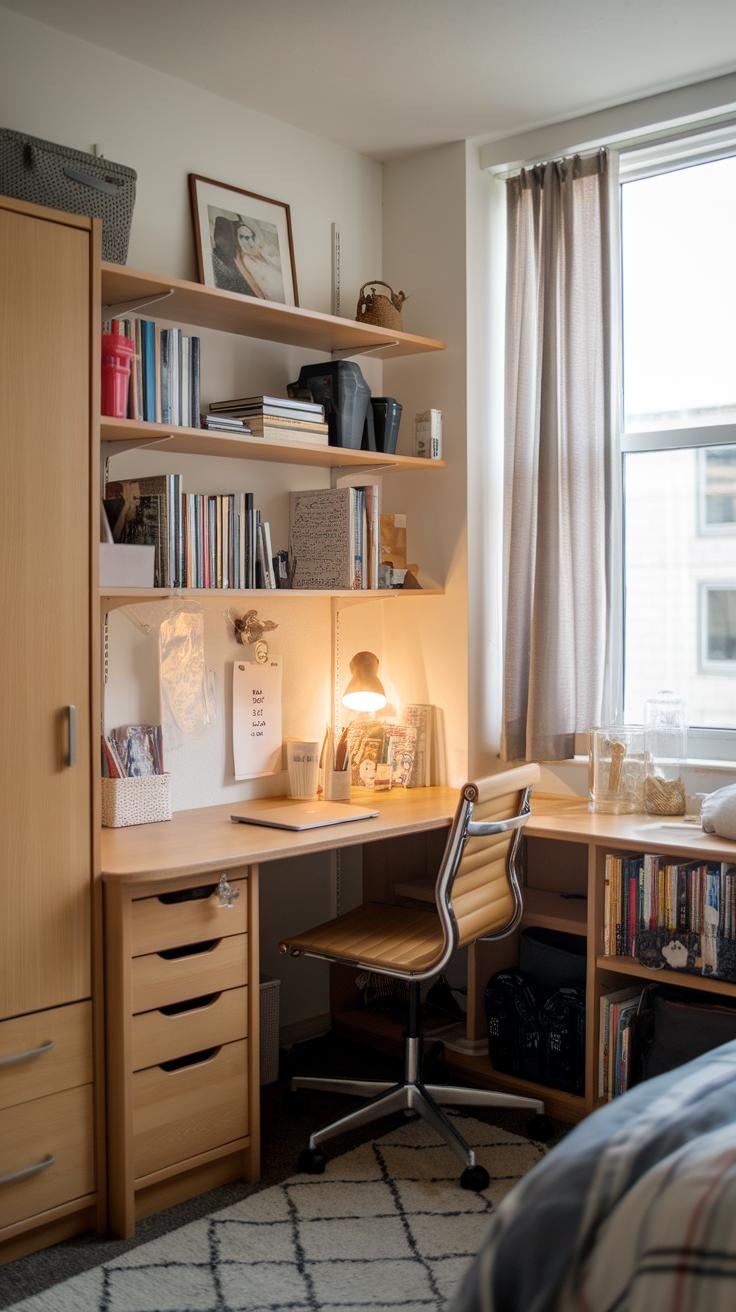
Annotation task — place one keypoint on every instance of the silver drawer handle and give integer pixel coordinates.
(28, 1170)
(23, 1056)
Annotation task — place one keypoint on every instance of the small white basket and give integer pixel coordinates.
(269, 1027)
(138, 801)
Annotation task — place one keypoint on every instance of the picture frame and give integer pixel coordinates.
(244, 241)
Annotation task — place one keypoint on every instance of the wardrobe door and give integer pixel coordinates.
(45, 780)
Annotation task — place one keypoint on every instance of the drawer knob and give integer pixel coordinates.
(226, 892)
(28, 1170)
(24, 1056)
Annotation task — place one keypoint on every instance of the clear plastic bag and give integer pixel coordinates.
(187, 687)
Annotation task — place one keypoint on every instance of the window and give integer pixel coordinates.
(679, 438)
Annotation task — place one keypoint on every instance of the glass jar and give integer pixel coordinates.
(617, 769)
(665, 727)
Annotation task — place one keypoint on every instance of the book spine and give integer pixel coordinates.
(157, 369)
(149, 369)
(194, 399)
(176, 376)
(185, 393)
(165, 352)
(242, 542)
(269, 555)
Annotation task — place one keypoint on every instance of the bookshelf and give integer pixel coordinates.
(196, 441)
(127, 292)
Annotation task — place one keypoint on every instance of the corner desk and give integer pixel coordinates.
(182, 983)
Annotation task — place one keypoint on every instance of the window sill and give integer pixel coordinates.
(570, 778)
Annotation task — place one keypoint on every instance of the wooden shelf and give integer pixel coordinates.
(198, 442)
(208, 307)
(630, 966)
(551, 911)
(350, 594)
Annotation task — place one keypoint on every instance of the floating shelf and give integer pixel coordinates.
(208, 307)
(198, 442)
(348, 596)
(551, 911)
(630, 966)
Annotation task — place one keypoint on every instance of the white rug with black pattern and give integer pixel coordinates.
(386, 1226)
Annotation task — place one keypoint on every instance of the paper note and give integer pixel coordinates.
(257, 733)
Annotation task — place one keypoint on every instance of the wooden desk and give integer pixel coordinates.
(174, 1133)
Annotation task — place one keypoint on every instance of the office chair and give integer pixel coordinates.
(477, 896)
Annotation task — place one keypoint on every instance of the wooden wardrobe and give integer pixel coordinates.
(51, 1183)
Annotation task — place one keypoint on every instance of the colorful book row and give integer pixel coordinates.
(164, 373)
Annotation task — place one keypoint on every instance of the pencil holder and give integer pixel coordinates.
(139, 801)
(337, 785)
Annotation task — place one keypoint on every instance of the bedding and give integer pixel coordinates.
(634, 1211)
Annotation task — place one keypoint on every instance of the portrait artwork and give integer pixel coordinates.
(244, 242)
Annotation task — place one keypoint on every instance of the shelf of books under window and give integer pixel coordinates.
(196, 441)
(630, 966)
(208, 307)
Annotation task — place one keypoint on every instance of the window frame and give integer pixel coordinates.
(704, 743)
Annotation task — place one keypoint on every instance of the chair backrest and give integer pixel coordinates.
(477, 885)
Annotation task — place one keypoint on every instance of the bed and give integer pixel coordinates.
(634, 1211)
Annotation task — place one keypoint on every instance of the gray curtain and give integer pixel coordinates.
(561, 464)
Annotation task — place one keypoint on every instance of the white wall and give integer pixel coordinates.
(56, 87)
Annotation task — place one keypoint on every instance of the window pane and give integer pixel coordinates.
(718, 483)
(680, 628)
(679, 290)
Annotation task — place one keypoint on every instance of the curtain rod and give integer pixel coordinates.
(634, 143)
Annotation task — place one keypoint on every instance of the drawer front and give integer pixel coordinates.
(158, 981)
(62, 1066)
(60, 1124)
(158, 925)
(158, 1037)
(180, 1113)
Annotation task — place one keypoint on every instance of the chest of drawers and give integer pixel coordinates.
(182, 1040)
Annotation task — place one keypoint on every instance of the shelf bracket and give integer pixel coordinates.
(108, 449)
(360, 350)
(122, 309)
(347, 471)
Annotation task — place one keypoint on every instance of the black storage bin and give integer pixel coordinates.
(674, 1025)
(562, 1046)
(512, 1015)
(63, 179)
(555, 959)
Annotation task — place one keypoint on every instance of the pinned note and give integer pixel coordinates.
(257, 733)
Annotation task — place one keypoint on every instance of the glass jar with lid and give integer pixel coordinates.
(665, 727)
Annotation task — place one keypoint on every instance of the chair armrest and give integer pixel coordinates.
(482, 829)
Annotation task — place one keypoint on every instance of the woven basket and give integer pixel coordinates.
(378, 310)
(136, 801)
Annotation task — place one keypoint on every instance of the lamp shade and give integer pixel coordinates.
(365, 692)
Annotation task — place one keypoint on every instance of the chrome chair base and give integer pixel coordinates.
(410, 1095)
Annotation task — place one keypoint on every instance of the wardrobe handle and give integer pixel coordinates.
(72, 754)
(28, 1170)
(23, 1056)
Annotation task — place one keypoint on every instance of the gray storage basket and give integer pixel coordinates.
(63, 179)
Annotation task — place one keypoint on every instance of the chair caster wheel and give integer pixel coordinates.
(540, 1128)
(312, 1161)
(475, 1178)
(296, 1102)
(410, 1114)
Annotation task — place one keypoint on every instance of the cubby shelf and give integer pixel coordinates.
(199, 442)
(630, 966)
(126, 291)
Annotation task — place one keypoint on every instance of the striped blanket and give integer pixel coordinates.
(634, 1211)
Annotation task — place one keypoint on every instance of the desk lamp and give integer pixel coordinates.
(365, 692)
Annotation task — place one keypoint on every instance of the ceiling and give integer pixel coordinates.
(384, 77)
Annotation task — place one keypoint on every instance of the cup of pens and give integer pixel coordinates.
(302, 764)
(336, 768)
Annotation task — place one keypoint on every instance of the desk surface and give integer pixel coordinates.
(568, 818)
(205, 839)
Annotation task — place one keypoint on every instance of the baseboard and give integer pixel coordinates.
(311, 1028)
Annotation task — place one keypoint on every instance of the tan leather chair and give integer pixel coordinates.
(477, 896)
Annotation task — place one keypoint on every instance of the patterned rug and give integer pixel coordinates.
(386, 1226)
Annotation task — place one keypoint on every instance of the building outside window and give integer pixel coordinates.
(678, 216)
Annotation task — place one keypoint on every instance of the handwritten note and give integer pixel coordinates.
(257, 732)
(319, 538)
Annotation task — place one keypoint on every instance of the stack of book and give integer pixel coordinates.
(614, 1051)
(164, 373)
(277, 419)
(225, 424)
(201, 541)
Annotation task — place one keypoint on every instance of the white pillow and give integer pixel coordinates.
(718, 812)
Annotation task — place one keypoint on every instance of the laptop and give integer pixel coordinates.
(303, 815)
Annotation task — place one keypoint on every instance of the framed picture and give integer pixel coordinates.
(244, 241)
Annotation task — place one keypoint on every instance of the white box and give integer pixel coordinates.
(428, 434)
(124, 566)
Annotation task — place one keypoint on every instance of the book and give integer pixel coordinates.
(194, 388)
(315, 434)
(168, 487)
(321, 535)
(270, 405)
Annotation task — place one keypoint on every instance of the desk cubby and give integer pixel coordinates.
(182, 1048)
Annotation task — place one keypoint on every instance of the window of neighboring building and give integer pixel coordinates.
(679, 441)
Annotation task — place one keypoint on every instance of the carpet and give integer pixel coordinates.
(386, 1226)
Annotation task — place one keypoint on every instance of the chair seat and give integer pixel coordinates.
(377, 935)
